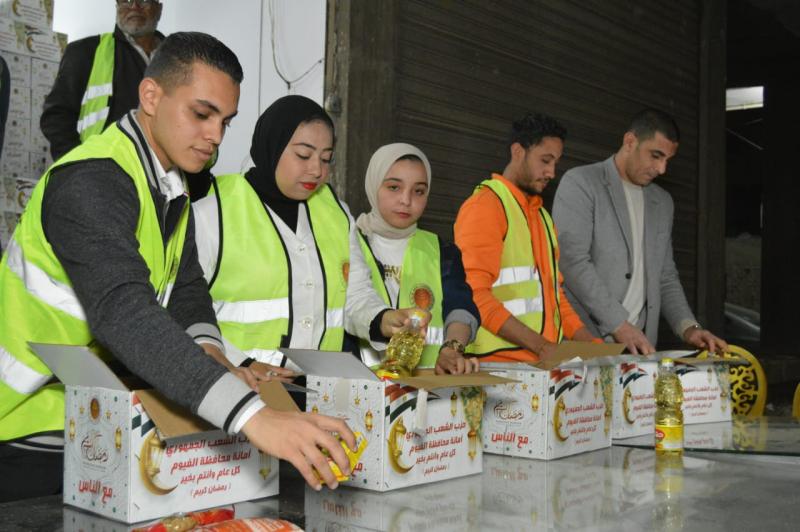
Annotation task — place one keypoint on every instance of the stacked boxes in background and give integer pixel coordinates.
(32, 51)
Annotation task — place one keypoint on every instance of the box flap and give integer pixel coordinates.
(427, 379)
(172, 420)
(566, 351)
(77, 366)
(329, 364)
(276, 397)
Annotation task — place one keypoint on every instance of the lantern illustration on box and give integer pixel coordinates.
(94, 408)
(264, 464)
(315, 409)
(395, 442)
(535, 403)
(558, 424)
(368, 421)
(453, 404)
(607, 387)
(473, 398)
(150, 457)
(118, 439)
(71, 429)
(626, 406)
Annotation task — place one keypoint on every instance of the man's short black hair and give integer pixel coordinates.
(171, 65)
(650, 121)
(533, 127)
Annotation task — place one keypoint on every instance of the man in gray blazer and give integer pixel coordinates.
(615, 232)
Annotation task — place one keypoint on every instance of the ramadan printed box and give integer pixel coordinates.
(706, 391)
(557, 409)
(419, 429)
(131, 455)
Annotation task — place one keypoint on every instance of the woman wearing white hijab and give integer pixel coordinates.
(412, 267)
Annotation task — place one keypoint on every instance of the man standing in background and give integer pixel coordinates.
(98, 79)
(615, 230)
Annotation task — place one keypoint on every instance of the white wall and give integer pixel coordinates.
(243, 25)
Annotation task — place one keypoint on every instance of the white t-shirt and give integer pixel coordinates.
(635, 297)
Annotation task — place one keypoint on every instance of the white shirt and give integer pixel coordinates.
(390, 252)
(307, 291)
(635, 296)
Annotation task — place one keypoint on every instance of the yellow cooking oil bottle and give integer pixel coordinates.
(669, 415)
(404, 350)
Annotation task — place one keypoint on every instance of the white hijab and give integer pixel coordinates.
(379, 165)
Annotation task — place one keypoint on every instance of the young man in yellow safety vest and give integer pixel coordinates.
(510, 251)
(104, 255)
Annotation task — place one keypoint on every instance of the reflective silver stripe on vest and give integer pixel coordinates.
(267, 356)
(18, 376)
(42, 286)
(163, 299)
(96, 92)
(518, 307)
(516, 274)
(334, 317)
(252, 311)
(92, 118)
(434, 336)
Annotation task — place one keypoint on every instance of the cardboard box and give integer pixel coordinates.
(19, 103)
(17, 192)
(559, 408)
(24, 39)
(76, 520)
(18, 134)
(19, 68)
(37, 13)
(568, 494)
(419, 429)
(43, 73)
(451, 505)
(13, 163)
(132, 455)
(706, 391)
(39, 162)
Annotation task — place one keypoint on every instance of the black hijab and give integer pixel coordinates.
(273, 131)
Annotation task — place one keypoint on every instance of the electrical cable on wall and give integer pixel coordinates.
(274, 43)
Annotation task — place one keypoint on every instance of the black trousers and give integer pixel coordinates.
(27, 474)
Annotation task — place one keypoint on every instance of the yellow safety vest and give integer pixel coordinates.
(420, 286)
(251, 288)
(518, 286)
(38, 304)
(95, 103)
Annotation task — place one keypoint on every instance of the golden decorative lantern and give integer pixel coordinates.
(315, 409)
(535, 403)
(118, 439)
(71, 429)
(368, 421)
(150, 457)
(453, 404)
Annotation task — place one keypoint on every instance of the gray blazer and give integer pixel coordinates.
(594, 233)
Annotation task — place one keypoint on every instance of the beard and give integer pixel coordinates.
(135, 29)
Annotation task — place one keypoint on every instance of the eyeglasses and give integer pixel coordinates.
(142, 3)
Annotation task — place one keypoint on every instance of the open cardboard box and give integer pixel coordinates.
(559, 407)
(132, 455)
(420, 429)
(706, 390)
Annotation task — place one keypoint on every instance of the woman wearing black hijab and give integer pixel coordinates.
(280, 251)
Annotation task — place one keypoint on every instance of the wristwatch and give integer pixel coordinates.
(455, 345)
